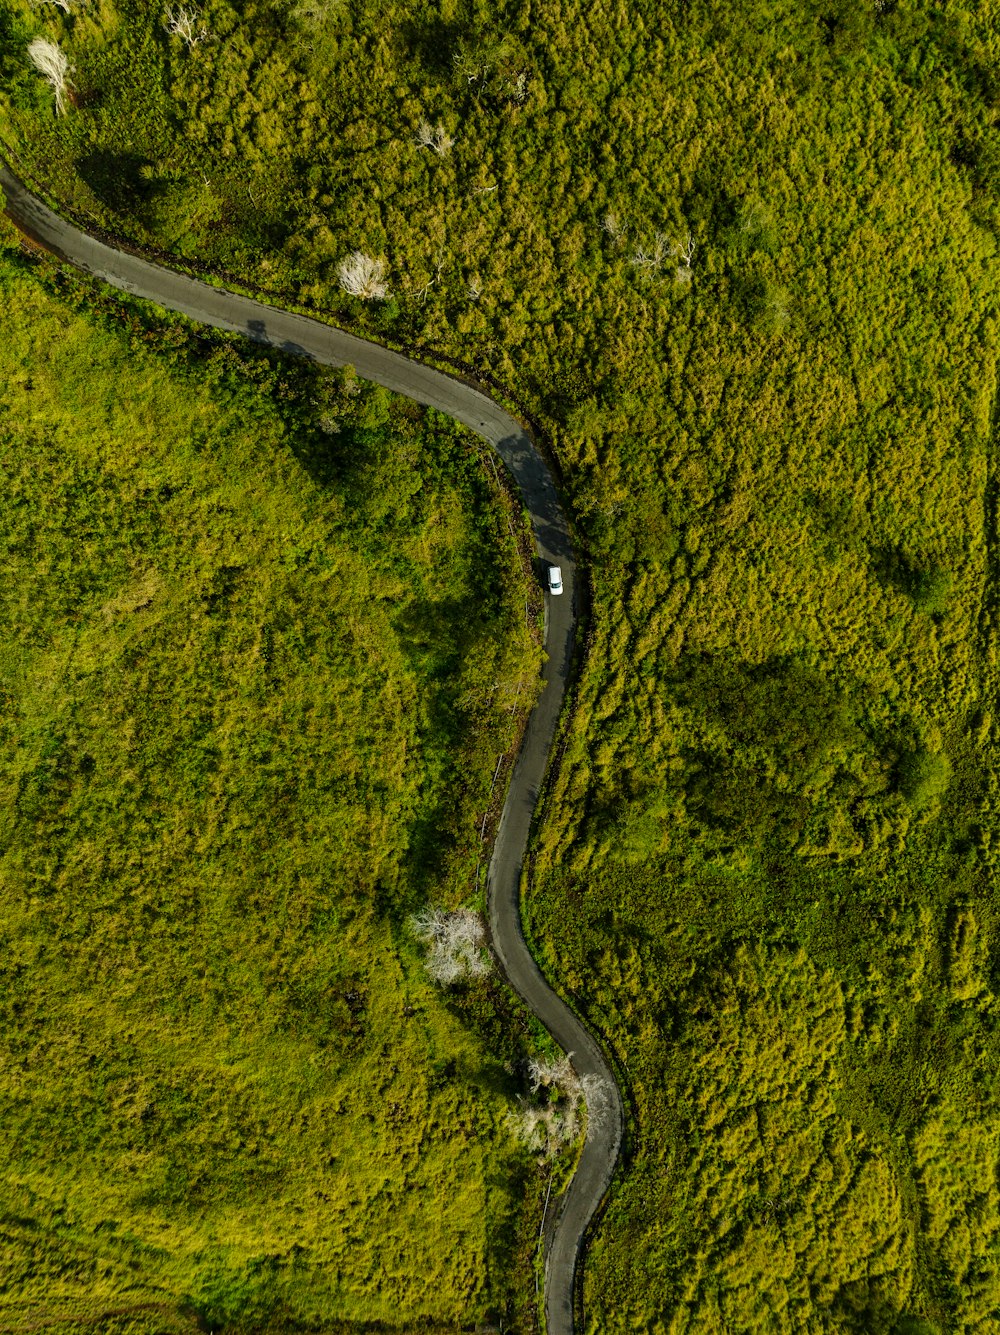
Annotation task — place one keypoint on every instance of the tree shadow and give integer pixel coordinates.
(430, 44)
(318, 454)
(861, 1307)
(444, 629)
(489, 1076)
(926, 584)
(436, 636)
(123, 182)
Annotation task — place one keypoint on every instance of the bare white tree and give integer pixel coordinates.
(53, 65)
(517, 88)
(613, 225)
(559, 1074)
(554, 1121)
(434, 137)
(652, 256)
(67, 6)
(549, 1125)
(540, 1127)
(443, 142)
(598, 1096)
(684, 251)
(546, 1128)
(468, 64)
(362, 276)
(186, 24)
(456, 944)
(474, 288)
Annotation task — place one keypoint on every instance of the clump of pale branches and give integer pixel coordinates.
(542, 1127)
(434, 137)
(456, 943)
(612, 224)
(53, 65)
(475, 61)
(362, 276)
(514, 88)
(67, 6)
(186, 24)
(684, 252)
(548, 1124)
(313, 14)
(653, 256)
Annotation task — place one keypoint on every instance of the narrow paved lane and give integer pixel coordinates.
(304, 337)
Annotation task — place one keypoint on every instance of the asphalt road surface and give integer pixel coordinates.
(304, 337)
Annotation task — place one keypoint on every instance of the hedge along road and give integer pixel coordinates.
(304, 337)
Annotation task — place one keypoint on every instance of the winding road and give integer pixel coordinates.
(299, 335)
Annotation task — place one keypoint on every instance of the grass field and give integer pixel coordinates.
(768, 872)
(261, 632)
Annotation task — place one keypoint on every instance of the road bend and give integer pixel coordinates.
(301, 336)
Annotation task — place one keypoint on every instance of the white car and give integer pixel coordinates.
(555, 579)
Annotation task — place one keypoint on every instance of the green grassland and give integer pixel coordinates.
(261, 632)
(769, 864)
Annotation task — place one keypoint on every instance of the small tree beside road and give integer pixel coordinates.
(456, 944)
(552, 1119)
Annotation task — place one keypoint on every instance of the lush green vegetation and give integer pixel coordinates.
(262, 629)
(769, 868)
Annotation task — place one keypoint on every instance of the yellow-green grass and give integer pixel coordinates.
(781, 465)
(250, 714)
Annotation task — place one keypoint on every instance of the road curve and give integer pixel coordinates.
(305, 337)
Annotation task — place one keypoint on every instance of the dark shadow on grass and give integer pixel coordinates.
(860, 1307)
(430, 44)
(120, 181)
(927, 584)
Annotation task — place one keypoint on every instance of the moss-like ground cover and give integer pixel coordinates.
(769, 866)
(261, 631)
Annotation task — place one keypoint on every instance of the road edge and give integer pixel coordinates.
(533, 477)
